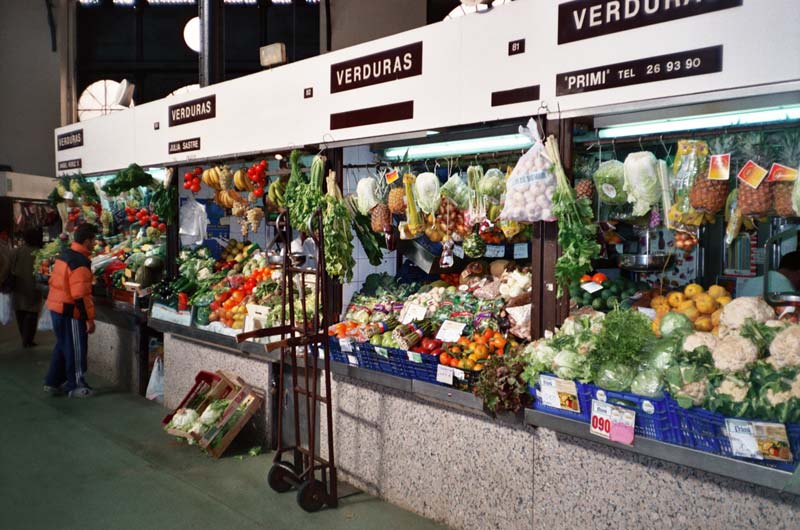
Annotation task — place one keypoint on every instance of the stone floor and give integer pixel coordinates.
(105, 463)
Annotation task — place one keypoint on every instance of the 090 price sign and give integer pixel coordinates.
(612, 422)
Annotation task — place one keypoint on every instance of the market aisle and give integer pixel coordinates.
(105, 463)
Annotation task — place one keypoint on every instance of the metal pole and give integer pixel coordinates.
(212, 41)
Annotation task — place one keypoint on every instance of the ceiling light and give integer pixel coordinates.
(708, 121)
(278, 156)
(506, 142)
(191, 34)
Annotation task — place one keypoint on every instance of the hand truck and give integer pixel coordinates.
(304, 345)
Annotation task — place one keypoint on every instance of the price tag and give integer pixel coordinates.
(450, 331)
(752, 174)
(321, 353)
(458, 251)
(758, 440)
(611, 422)
(781, 173)
(382, 352)
(520, 251)
(392, 176)
(346, 345)
(412, 312)
(559, 393)
(353, 360)
(68, 195)
(649, 312)
(495, 251)
(414, 357)
(444, 374)
(459, 374)
(719, 168)
(591, 287)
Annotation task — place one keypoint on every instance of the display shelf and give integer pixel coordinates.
(447, 395)
(247, 349)
(719, 465)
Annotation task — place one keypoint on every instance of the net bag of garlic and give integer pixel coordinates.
(530, 187)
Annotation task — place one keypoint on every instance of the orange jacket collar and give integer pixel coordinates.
(78, 247)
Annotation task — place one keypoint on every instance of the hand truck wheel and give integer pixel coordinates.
(281, 477)
(312, 495)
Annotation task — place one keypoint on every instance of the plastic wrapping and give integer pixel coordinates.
(531, 185)
(194, 222)
(609, 180)
(691, 160)
(641, 181)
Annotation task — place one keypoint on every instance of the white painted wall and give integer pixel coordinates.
(29, 88)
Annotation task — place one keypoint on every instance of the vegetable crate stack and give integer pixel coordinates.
(214, 411)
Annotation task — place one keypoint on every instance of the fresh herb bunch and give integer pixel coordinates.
(339, 262)
(164, 203)
(577, 234)
(126, 179)
(296, 184)
(623, 338)
(303, 198)
(501, 385)
(369, 239)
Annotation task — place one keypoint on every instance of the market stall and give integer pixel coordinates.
(537, 315)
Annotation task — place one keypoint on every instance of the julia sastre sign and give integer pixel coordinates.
(69, 140)
(381, 67)
(659, 68)
(194, 110)
(584, 19)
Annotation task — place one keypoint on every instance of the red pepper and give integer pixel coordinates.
(183, 301)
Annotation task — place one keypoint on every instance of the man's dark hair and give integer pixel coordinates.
(33, 237)
(85, 232)
(791, 261)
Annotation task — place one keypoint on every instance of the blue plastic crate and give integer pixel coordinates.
(424, 371)
(705, 431)
(584, 401)
(654, 416)
(392, 363)
(336, 351)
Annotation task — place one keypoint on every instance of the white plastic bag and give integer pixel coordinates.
(45, 320)
(530, 188)
(5, 309)
(155, 387)
(194, 223)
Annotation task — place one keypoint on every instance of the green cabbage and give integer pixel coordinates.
(617, 377)
(572, 365)
(493, 183)
(647, 383)
(660, 353)
(609, 179)
(538, 358)
(675, 325)
(641, 181)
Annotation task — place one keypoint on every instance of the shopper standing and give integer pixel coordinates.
(72, 309)
(26, 297)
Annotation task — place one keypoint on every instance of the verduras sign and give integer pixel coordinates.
(194, 110)
(70, 139)
(381, 67)
(584, 19)
(69, 164)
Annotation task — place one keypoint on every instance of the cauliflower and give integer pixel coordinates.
(737, 311)
(776, 398)
(698, 339)
(733, 353)
(733, 388)
(183, 419)
(785, 348)
(695, 391)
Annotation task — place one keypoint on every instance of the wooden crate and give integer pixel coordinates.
(208, 387)
(244, 404)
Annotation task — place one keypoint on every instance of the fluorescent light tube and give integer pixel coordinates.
(506, 142)
(709, 121)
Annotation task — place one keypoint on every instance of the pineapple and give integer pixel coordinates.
(397, 201)
(755, 202)
(380, 218)
(709, 195)
(789, 155)
(585, 188)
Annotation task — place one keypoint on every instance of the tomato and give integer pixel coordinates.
(162, 227)
(445, 359)
(599, 277)
(259, 192)
(586, 278)
(488, 333)
(454, 363)
(187, 176)
(198, 170)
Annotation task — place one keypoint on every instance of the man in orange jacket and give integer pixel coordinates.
(72, 310)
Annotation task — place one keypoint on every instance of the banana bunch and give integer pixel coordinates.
(242, 182)
(218, 178)
(227, 198)
(692, 217)
(277, 193)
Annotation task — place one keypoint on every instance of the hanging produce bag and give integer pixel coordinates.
(530, 188)
(609, 179)
(755, 202)
(194, 222)
(691, 161)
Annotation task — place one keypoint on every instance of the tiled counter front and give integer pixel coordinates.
(471, 472)
(184, 358)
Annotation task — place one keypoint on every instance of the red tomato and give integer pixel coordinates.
(599, 277)
(162, 227)
(259, 192)
(445, 358)
(187, 176)
(586, 278)
(154, 217)
(154, 224)
(187, 185)
(198, 170)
